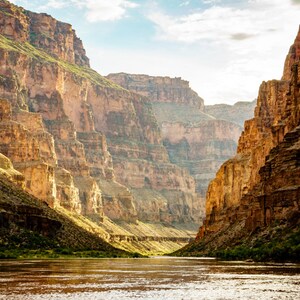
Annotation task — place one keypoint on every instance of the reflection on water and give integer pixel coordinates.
(153, 278)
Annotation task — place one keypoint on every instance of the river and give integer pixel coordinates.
(154, 278)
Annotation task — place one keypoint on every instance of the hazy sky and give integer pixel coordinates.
(225, 48)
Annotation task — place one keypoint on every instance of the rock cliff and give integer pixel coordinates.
(82, 142)
(195, 140)
(160, 89)
(258, 189)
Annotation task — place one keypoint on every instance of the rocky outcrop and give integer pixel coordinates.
(28, 223)
(51, 88)
(278, 192)
(13, 22)
(31, 152)
(44, 32)
(258, 189)
(7, 171)
(194, 139)
(237, 113)
(201, 148)
(159, 89)
(56, 38)
(292, 57)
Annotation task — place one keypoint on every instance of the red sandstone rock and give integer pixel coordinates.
(13, 22)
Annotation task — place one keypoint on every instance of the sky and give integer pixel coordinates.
(224, 48)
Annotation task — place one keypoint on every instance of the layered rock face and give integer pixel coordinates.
(260, 186)
(195, 140)
(81, 141)
(31, 151)
(28, 223)
(159, 89)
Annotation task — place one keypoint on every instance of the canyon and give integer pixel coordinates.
(126, 157)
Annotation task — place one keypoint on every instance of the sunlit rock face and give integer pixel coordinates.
(195, 139)
(7, 170)
(32, 152)
(261, 184)
(159, 88)
(56, 38)
(77, 137)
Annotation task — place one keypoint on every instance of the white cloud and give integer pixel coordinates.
(56, 4)
(211, 1)
(103, 10)
(184, 3)
(95, 10)
(237, 47)
(215, 23)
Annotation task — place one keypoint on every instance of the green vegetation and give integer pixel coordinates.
(279, 244)
(5, 13)
(41, 56)
(275, 250)
(23, 243)
(61, 253)
(29, 244)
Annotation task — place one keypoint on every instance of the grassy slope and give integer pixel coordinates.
(278, 242)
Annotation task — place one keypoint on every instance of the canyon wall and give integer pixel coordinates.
(81, 142)
(195, 140)
(259, 188)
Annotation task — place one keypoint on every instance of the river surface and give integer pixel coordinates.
(154, 278)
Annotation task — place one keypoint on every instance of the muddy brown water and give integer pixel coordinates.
(153, 278)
